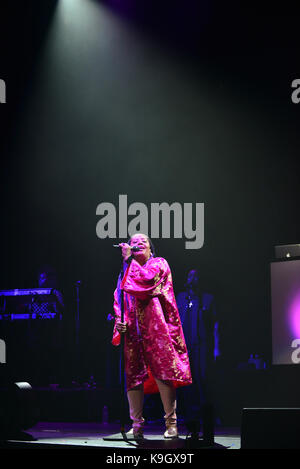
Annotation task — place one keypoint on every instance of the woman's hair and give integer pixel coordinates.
(152, 248)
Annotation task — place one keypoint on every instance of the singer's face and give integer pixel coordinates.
(141, 241)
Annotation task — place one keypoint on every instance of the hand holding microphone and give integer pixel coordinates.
(126, 249)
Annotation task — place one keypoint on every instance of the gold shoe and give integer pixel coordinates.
(171, 428)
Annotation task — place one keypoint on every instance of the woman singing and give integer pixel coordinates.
(155, 353)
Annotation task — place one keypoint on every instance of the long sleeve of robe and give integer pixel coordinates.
(154, 344)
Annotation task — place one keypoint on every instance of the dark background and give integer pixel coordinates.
(187, 102)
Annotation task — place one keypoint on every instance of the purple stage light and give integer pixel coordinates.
(294, 314)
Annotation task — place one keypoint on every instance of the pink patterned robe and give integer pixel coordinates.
(154, 344)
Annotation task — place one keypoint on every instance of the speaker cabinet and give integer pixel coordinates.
(270, 428)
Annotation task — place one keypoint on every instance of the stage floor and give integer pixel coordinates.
(92, 435)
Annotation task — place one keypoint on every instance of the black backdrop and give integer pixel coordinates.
(189, 102)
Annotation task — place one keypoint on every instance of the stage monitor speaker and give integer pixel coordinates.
(270, 428)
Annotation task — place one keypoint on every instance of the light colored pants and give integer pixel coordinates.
(136, 401)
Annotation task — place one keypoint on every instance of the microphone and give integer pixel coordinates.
(134, 248)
